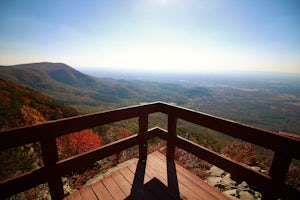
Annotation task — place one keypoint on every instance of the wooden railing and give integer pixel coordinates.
(272, 185)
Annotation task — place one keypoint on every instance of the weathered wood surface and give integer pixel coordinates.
(156, 178)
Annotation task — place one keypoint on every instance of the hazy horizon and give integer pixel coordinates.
(154, 35)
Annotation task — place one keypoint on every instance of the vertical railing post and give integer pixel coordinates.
(279, 169)
(50, 157)
(143, 128)
(172, 123)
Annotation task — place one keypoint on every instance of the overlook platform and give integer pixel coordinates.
(140, 179)
(156, 176)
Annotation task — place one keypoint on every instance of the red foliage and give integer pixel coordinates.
(79, 142)
(191, 162)
(293, 177)
(124, 133)
(241, 152)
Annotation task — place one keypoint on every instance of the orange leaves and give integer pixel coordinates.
(76, 143)
(241, 152)
(124, 133)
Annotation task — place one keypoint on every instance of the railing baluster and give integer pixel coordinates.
(143, 128)
(50, 157)
(172, 123)
(279, 169)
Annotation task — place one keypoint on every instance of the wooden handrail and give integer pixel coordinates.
(264, 138)
(285, 147)
(21, 136)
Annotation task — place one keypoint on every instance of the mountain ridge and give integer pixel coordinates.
(73, 87)
(57, 80)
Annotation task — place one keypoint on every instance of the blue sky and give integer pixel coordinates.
(178, 35)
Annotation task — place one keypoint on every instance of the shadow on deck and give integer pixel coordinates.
(154, 178)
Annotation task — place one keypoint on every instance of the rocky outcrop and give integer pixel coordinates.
(232, 188)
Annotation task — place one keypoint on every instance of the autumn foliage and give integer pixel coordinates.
(76, 143)
(241, 152)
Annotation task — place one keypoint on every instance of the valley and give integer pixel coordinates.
(266, 100)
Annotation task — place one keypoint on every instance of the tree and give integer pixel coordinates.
(124, 133)
(77, 143)
(241, 152)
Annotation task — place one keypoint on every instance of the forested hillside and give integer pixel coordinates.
(21, 106)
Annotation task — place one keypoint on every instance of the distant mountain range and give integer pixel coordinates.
(69, 86)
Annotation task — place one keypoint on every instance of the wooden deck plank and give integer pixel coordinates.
(195, 181)
(187, 188)
(184, 192)
(122, 182)
(138, 180)
(100, 191)
(138, 189)
(147, 189)
(77, 195)
(126, 172)
(70, 197)
(88, 193)
(154, 186)
(161, 174)
(155, 172)
(145, 176)
(113, 188)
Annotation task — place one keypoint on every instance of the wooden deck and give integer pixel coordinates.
(149, 180)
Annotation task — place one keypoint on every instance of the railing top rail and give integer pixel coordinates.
(24, 135)
(285, 143)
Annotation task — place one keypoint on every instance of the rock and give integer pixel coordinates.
(231, 188)
(220, 186)
(257, 195)
(243, 186)
(244, 195)
(68, 189)
(214, 180)
(256, 168)
(226, 180)
(230, 193)
(31, 151)
(35, 165)
(234, 198)
(215, 171)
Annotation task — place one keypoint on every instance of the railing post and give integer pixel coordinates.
(279, 169)
(143, 128)
(172, 123)
(50, 157)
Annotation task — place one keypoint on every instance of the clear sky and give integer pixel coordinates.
(190, 35)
